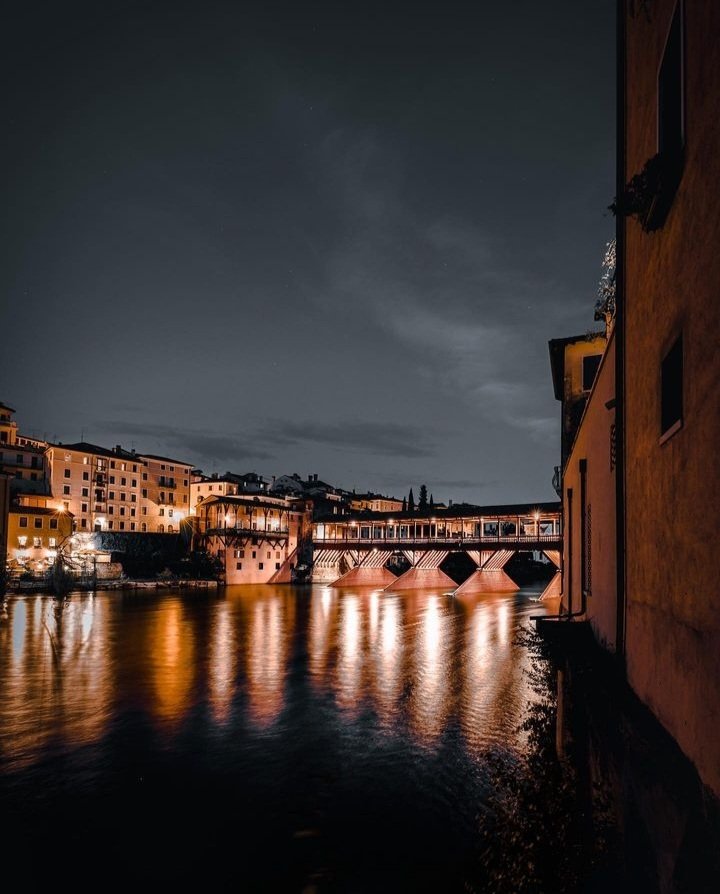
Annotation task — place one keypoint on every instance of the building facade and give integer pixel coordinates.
(165, 494)
(257, 539)
(641, 470)
(36, 531)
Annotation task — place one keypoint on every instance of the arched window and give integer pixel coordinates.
(161, 529)
(171, 530)
(143, 527)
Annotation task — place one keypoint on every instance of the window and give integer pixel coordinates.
(111, 510)
(123, 468)
(171, 530)
(161, 511)
(122, 510)
(66, 473)
(123, 482)
(162, 467)
(122, 526)
(239, 566)
(86, 476)
(161, 529)
(112, 479)
(132, 526)
(269, 555)
(83, 507)
(111, 495)
(671, 390)
(260, 566)
(143, 511)
(38, 522)
(83, 523)
(143, 527)
(144, 493)
(122, 496)
(53, 524)
(37, 542)
(85, 492)
(52, 542)
(144, 476)
(590, 368)
(134, 482)
(66, 490)
(22, 541)
(66, 506)
(132, 512)
(85, 460)
(254, 554)
(112, 463)
(277, 566)
(671, 128)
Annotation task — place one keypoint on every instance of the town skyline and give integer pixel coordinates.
(261, 243)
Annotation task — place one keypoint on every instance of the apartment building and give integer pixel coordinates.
(165, 493)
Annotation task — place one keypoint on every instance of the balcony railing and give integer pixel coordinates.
(467, 541)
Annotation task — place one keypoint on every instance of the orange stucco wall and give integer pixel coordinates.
(593, 444)
(672, 488)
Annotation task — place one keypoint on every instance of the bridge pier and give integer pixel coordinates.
(490, 576)
(369, 572)
(554, 588)
(425, 572)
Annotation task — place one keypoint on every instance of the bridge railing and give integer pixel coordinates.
(469, 541)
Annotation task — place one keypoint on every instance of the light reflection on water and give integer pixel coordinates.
(412, 665)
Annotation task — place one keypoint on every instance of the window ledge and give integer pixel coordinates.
(675, 427)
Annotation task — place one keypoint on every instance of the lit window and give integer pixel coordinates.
(52, 542)
(22, 541)
(37, 542)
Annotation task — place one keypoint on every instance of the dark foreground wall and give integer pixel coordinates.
(668, 822)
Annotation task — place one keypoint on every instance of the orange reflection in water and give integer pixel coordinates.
(388, 660)
(349, 659)
(56, 675)
(431, 696)
(271, 623)
(323, 615)
(172, 648)
(221, 662)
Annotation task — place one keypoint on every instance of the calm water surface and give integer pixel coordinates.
(267, 738)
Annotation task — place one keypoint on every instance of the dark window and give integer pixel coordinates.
(23, 522)
(38, 523)
(671, 130)
(671, 389)
(277, 566)
(53, 524)
(66, 489)
(261, 566)
(86, 476)
(66, 473)
(239, 566)
(590, 368)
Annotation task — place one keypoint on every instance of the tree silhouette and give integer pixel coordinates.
(411, 501)
(432, 503)
(404, 505)
(423, 500)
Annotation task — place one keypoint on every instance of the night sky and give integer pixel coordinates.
(307, 238)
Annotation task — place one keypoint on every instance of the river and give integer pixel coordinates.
(256, 739)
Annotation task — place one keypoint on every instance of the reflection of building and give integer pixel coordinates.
(645, 452)
(36, 530)
(256, 538)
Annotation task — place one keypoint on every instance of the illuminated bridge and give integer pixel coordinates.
(354, 550)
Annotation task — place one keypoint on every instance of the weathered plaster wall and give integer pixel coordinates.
(673, 489)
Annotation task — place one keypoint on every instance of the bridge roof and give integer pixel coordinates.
(463, 510)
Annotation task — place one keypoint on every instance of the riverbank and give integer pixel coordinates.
(18, 587)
